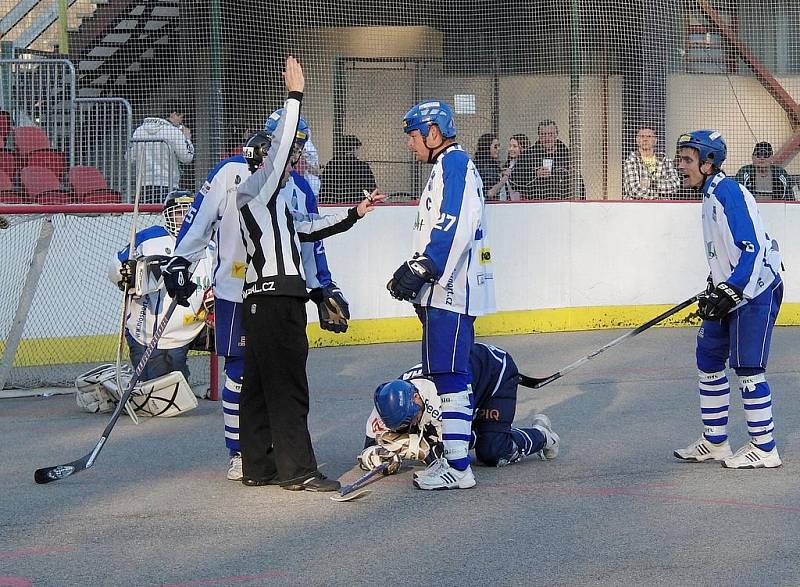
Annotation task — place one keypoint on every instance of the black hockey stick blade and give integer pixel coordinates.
(345, 491)
(58, 472)
(536, 383)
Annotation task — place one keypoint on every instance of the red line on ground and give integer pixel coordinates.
(32, 551)
(15, 582)
(237, 578)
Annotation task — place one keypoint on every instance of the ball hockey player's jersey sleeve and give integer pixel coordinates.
(739, 231)
(205, 213)
(265, 182)
(315, 263)
(454, 231)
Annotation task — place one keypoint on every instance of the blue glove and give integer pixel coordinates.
(178, 280)
(410, 277)
(722, 299)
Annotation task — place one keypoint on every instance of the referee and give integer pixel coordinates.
(275, 442)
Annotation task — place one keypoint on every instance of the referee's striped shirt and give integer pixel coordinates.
(270, 231)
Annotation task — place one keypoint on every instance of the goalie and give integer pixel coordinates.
(407, 420)
(140, 276)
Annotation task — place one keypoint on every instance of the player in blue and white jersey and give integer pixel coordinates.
(410, 410)
(739, 307)
(449, 280)
(146, 311)
(215, 216)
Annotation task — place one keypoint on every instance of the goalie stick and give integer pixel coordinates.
(536, 383)
(48, 474)
(350, 492)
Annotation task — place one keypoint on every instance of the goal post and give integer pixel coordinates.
(59, 315)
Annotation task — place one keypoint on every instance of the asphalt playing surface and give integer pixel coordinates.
(615, 508)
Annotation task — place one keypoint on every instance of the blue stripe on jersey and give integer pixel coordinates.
(454, 170)
(141, 236)
(321, 261)
(730, 196)
(191, 214)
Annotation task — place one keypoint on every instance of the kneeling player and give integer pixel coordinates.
(407, 420)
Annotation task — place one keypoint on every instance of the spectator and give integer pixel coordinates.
(517, 144)
(543, 171)
(163, 144)
(762, 178)
(647, 173)
(147, 311)
(487, 161)
(345, 178)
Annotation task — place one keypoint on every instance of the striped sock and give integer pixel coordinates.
(230, 414)
(757, 401)
(457, 427)
(715, 399)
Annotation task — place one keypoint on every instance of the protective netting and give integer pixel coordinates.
(72, 321)
(599, 71)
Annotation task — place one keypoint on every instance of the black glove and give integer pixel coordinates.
(127, 274)
(702, 299)
(178, 280)
(720, 301)
(334, 311)
(410, 277)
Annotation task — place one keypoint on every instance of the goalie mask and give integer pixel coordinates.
(175, 208)
(395, 403)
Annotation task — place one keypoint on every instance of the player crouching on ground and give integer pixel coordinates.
(739, 308)
(407, 420)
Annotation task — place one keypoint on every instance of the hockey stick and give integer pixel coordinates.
(127, 295)
(48, 474)
(536, 383)
(350, 492)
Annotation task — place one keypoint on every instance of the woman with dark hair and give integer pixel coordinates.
(487, 160)
(517, 144)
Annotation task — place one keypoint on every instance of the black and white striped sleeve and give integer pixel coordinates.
(266, 181)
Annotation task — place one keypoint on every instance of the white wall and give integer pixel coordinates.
(546, 255)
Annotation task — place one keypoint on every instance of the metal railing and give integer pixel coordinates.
(103, 128)
(41, 92)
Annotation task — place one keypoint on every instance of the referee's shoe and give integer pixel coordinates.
(314, 482)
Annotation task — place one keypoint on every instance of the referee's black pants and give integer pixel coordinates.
(273, 408)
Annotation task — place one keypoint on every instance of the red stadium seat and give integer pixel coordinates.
(55, 161)
(9, 164)
(42, 185)
(28, 139)
(5, 127)
(90, 187)
(7, 193)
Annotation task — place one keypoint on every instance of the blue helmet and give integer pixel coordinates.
(303, 132)
(709, 144)
(423, 115)
(394, 401)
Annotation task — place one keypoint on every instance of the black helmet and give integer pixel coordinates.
(176, 199)
(255, 149)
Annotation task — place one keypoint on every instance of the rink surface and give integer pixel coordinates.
(615, 508)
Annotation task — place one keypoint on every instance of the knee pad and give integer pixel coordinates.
(749, 380)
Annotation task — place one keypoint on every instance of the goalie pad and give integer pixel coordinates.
(164, 397)
(96, 390)
(412, 447)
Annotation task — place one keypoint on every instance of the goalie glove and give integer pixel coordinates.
(178, 280)
(410, 277)
(374, 456)
(127, 275)
(333, 309)
(722, 299)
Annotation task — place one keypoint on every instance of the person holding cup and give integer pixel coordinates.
(543, 171)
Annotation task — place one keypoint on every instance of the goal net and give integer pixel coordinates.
(60, 313)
